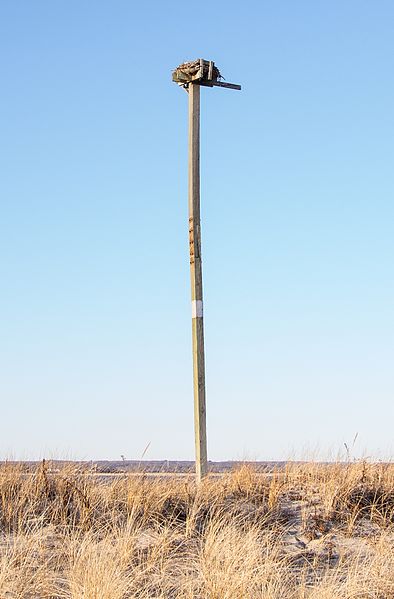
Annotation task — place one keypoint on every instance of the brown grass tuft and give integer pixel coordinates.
(309, 531)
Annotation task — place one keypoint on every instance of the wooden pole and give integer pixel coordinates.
(196, 283)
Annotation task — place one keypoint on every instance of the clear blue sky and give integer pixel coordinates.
(297, 216)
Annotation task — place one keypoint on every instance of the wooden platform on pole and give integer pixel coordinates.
(191, 76)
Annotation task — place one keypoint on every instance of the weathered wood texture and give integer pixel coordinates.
(196, 282)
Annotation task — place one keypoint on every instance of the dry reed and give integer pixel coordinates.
(309, 531)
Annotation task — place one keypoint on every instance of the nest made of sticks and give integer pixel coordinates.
(196, 70)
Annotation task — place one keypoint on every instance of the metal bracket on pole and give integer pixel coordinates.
(219, 84)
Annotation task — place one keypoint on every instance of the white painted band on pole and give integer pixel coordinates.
(197, 310)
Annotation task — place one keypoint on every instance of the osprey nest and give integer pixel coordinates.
(197, 70)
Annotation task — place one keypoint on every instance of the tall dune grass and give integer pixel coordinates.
(310, 531)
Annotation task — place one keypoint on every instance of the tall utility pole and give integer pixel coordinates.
(196, 282)
(192, 76)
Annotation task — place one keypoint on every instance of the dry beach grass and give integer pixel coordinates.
(310, 531)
